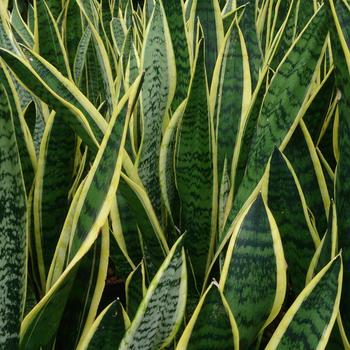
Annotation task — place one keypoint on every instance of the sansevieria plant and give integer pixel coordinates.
(175, 175)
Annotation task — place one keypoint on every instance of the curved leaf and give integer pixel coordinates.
(253, 278)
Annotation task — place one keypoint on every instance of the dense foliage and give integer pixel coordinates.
(175, 174)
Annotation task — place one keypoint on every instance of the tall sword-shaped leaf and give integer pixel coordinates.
(212, 326)
(160, 314)
(282, 105)
(193, 170)
(309, 321)
(287, 204)
(83, 226)
(58, 92)
(13, 239)
(209, 14)
(157, 60)
(174, 12)
(47, 38)
(340, 34)
(253, 277)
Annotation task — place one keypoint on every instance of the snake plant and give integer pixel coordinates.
(174, 174)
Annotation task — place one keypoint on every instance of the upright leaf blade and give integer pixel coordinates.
(253, 277)
(309, 321)
(280, 111)
(13, 240)
(157, 60)
(160, 313)
(194, 170)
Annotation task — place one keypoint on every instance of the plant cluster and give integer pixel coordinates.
(175, 174)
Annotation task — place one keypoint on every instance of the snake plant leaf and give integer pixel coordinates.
(47, 39)
(24, 139)
(160, 314)
(55, 90)
(90, 214)
(175, 17)
(253, 278)
(102, 58)
(327, 249)
(194, 170)
(135, 287)
(82, 307)
(154, 245)
(13, 228)
(319, 106)
(309, 321)
(108, 328)
(289, 89)
(55, 7)
(233, 96)
(287, 204)
(118, 30)
(248, 27)
(157, 60)
(80, 57)
(212, 326)
(103, 178)
(341, 39)
(126, 222)
(73, 29)
(301, 152)
(20, 27)
(166, 163)
(52, 183)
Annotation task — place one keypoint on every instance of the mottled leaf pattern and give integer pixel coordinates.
(13, 238)
(160, 313)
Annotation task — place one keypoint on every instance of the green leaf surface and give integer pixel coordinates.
(281, 106)
(174, 13)
(158, 62)
(212, 326)
(160, 313)
(110, 327)
(51, 87)
(53, 181)
(194, 176)
(13, 246)
(287, 204)
(253, 277)
(47, 38)
(309, 321)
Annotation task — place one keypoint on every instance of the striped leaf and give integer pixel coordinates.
(13, 247)
(59, 93)
(157, 60)
(194, 170)
(83, 226)
(47, 39)
(160, 313)
(108, 329)
(209, 16)
(253, 278)
(309, 321)
(233, 95)
(327, 249)
(153, 242)
(135, 290)
(287, 204)
(20, 27)
(175, 17)
(341, 43)
(52, 184)
(212, 326)
(283, 102)
(248, 27)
